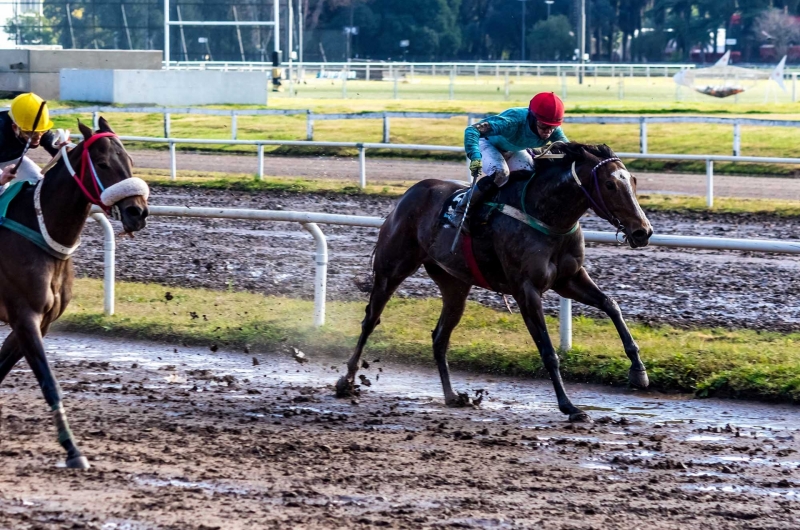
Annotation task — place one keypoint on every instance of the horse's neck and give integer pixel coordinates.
(550, 197)
(64, 207)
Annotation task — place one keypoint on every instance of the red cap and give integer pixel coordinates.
(548, 108)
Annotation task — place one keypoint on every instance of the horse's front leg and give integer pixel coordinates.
(29, 336)
(582, 289)
(530, 303)
(10, 354)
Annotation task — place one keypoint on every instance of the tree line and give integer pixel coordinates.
(426, 30)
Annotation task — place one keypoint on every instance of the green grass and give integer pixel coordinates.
(249, 183)
(746, 364)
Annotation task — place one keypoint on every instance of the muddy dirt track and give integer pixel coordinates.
(684, 287)
(180, 438)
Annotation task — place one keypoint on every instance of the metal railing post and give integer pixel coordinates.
(261, 161)
(362, 166)
(452, 83)
(396, 90)
(565, 323)
(321, 272)
(95, 120)
(508, 85)
(234, 125)
(737, 139)
(109, 251)
(386, 131)
(794, 88)
(643, 135)
(710, 183)
(173, 165)
(167, 125)
(309, 126)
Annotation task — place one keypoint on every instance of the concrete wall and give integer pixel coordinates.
(164, 87)
(38, 70)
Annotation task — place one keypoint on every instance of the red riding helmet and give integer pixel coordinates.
(547, 108)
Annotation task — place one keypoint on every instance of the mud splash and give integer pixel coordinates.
(183, 437)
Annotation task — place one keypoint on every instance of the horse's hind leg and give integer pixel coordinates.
(10, 354)
(386, 281)
(29, 336)
(530, 305)
(582, 289)
(454, 299)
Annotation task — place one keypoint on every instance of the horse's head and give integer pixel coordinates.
(610, 189)
(106, 178)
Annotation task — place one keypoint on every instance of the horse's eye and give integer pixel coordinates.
(103, 165)
(610, 185)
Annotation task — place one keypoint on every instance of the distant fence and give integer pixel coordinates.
(375, 71)
(386, 117)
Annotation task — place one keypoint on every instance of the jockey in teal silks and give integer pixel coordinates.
(497, 145)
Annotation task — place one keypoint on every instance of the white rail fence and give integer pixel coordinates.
(376, 71)
(386, 118)
(362, 149)
(311, 220)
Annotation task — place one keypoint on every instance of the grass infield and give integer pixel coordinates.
(741, 364)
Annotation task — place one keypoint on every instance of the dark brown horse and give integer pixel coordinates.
(534, 245)
(35, 286)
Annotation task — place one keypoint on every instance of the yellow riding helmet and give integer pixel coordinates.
(24, 109)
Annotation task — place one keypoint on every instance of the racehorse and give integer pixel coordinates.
(36, 274)
(523, 243)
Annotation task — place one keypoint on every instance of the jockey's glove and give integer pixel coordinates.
(475, 167)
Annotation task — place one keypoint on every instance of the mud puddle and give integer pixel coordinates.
(184, 438)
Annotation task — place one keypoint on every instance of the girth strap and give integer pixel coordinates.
(534, 223)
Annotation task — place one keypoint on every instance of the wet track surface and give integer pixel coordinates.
(184, 438)
(659, 285)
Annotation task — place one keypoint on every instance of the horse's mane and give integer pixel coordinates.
(576, 151)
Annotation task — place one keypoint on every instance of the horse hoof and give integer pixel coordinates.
(580, 417)
(460, 400)
(345, 388)
(638, 378)
(78, 462)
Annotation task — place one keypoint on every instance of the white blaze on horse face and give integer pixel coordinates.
(625, 178)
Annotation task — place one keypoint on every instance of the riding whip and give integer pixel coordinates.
(28, 143)
(467, 198)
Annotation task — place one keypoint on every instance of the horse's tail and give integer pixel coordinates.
(367, 282)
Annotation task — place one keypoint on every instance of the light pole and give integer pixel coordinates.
(549, 3)
(522, 45)
(582, 30)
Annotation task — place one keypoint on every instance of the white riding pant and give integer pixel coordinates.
(28, 171)
(502, 163)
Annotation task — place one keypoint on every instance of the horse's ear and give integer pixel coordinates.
(85, 130)
(104, 126)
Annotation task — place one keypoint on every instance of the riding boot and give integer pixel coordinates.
(483, 189)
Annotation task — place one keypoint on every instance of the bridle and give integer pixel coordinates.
(105, 198)
(599, 206)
